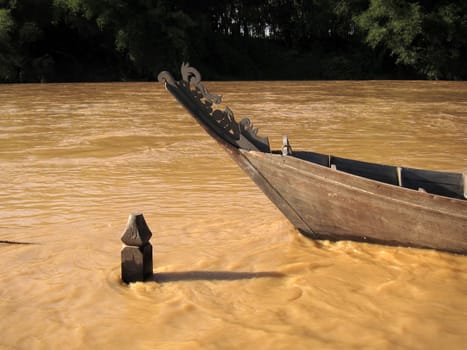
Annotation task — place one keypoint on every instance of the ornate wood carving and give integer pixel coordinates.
(196, 98)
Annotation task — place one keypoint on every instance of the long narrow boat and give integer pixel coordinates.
(333, 198)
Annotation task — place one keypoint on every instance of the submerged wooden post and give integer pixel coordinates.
(137, 252)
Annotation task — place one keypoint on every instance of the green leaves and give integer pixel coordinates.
(7, 59)
(429, 38)
(393, 25)
(6, 25)
(75, 6)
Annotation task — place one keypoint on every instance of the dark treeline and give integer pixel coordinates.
(114, 40)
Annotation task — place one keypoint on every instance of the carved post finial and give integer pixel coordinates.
(137, 252)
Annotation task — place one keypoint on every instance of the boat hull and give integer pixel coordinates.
(326, 203)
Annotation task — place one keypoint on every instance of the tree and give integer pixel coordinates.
(394, 26)
(7, 51)
(430, 38)
(149, 33)
(58, 40)
(443, 45)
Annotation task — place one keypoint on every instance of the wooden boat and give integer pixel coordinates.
(333, 198)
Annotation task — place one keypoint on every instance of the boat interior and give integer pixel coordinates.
(435, 182)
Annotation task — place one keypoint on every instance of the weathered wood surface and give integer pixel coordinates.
(198, 101)
(136, 263)
(436, 182)
(336, 205)
(384, 173)
(137, 232)
(136, 255)
(317, 158)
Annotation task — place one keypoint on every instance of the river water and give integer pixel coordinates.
(230, 271)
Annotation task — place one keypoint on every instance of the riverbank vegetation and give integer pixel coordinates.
(120, 40)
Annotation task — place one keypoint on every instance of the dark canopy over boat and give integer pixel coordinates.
(328, 197)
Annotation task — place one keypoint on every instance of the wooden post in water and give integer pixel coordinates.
(137, 252)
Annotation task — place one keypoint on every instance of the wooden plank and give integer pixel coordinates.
(336, 205)
(378, 172)
(435, 182)
(317, 158)
(289, 212)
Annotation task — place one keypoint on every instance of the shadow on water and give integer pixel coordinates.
(163, 277)
(18, 243)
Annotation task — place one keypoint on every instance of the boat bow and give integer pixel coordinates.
(221, 124)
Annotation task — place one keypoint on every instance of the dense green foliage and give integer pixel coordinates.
(94, 40)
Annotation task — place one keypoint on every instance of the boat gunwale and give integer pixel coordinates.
(328, 216)
(330, 174)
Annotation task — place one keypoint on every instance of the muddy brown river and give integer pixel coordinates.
(231, 272)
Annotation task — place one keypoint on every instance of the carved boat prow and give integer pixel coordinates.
(328, 197)
(196, 98)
